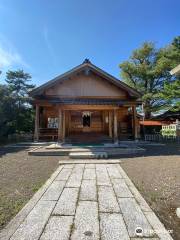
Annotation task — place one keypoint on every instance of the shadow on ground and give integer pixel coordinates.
(156, 150)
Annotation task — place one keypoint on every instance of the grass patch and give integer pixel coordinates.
(37, 186)
(9, 208)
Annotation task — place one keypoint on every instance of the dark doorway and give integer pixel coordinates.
(86, 121)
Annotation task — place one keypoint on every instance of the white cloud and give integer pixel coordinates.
(46, 38)
(48, 44)
(9, 56)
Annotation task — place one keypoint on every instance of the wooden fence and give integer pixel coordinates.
(160, 138)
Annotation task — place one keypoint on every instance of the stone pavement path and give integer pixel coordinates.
(86, 202)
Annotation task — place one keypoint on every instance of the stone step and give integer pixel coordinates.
(70, 141)
(89, 161)
(88, 155)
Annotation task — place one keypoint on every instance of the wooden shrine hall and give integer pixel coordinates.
(85, 102)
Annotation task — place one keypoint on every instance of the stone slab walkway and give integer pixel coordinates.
(86, 202)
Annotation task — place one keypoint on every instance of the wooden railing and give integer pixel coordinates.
(160, 138)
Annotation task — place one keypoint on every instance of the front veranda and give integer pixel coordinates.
(85, 123)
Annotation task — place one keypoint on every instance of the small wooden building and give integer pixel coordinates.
(85, 102)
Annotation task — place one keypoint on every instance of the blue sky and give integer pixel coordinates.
(47, 38)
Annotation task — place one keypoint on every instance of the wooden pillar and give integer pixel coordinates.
(64, 126)
(60, 136)
(104, 120)
(110, 124)
(36, 130)
(69, 125)
(135, 130)
(115, 127)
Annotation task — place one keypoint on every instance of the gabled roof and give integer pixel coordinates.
(168, 115)
(86, 65)
(175, 70)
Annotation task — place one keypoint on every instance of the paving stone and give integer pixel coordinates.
(102, 175)
(107, 200)
(88, 190)
(89, 174)
(143, 204)
(89, 161)
(75, 177)
(112, 227)
(33, 225)
(120, 187)
(113, 171)
(112, 183)
(86, 224)
(78, 168)
(158, 226)
(68, 166)
(90, 165)
(66, 204)
(134, 217)
(54, 191)
(64, 174)
(145, 239)
(58, 228)
(122, 172)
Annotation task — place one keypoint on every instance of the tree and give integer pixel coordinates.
(171, 91)
(148, 70)
(7, 113)
(16, 113)
(19, 86)
(18, 83)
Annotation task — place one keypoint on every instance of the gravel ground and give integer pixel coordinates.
(20, 177)
(156, 174)
(157, 177)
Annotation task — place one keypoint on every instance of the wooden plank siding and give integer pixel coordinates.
(102, 121)
(86, 86)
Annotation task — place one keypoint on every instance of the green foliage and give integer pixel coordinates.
(148, 71)
(168, 132)
(16, 113)
(171, 93)
(171, 90)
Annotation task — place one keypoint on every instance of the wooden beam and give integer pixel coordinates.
(135, 130)
(115, 126)
(110, 124)
(48, 103)
(88, 107)
(36, 130)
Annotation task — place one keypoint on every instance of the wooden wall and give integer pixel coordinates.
(77, 124)
(86, 86)
(99, 121)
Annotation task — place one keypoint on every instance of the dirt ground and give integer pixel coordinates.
(156, 173)
(157, 177)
